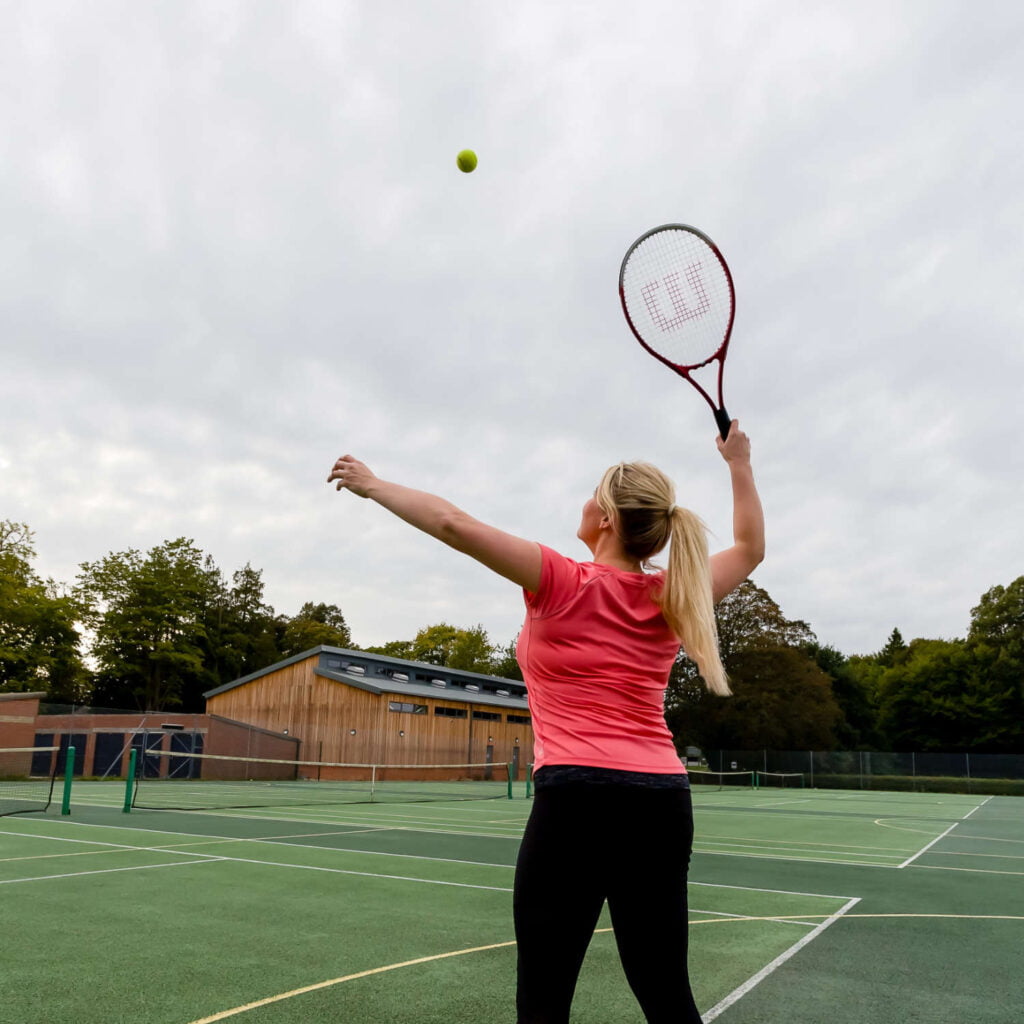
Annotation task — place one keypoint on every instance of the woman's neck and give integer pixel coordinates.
(608, 551)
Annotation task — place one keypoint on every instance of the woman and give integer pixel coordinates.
(612, 818)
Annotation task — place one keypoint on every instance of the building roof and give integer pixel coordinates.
(377, 673)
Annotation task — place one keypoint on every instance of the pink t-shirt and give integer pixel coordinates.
(596, 654)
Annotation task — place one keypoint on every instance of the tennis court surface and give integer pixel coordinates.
(807, 906)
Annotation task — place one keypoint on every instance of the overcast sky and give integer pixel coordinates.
(235, 245)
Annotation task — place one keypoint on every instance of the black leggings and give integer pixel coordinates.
(585, 843)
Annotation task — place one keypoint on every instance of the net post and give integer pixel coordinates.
(756, 774)
(69, 771)
(509, 767)
(529, 780)
(129, 782)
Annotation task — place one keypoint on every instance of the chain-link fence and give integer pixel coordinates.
(863, 769)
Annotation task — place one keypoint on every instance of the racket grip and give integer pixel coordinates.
(723, 421)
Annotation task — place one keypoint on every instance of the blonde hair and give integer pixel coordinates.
(641, 503)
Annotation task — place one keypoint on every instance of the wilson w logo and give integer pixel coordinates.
(681, 312)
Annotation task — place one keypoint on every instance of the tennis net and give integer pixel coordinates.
(721, 780)
(171, 780)
(27, 775)
(779, 780)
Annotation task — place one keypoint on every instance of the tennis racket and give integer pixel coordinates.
(678, 298)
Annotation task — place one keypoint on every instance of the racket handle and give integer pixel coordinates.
(723, 421)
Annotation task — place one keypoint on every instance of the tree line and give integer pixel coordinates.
(155, 630)
(791, 692)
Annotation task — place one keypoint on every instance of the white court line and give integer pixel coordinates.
(986, 839)
(752, 982)
(714, 837)
(976, 871)
(793, 850)
(253, 839)
(925, 849)
(978, 808)
(794, 860)
(746, 917)
(776, 892)
(385, 823)
(168, 848)
(363, 874)
(111, 871)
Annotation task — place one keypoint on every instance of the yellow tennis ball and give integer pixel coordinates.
(466, 161)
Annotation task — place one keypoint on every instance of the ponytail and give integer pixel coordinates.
(686, 600)
(640, 499)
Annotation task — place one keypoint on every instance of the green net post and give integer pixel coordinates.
(756, 773)
(130, 781)
(529, 781)
(509, 766)
(69, 771)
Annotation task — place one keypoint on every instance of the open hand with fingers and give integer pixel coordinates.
(353, 475)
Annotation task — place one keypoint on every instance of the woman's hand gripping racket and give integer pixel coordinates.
(678, 298)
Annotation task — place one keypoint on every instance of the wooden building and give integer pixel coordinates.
(357, 708)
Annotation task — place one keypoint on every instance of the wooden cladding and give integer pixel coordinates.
(344, 724)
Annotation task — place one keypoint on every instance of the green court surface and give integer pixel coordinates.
(806, 906)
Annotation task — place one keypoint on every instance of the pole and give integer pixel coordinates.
(130, 781)
(69, 771)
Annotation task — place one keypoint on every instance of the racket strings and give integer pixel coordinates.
(678, 297)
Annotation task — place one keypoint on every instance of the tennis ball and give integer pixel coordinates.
(466, 161)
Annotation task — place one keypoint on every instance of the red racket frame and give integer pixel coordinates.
(721, 416)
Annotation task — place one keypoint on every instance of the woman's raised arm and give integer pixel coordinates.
(729, 568)
(513, 557)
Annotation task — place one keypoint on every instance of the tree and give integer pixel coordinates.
(505, 663)
(150, 616)
(781, 698)
(854, 693)
(393, 649)
(781, 701)
(444, 644)
(940, 698)
(748, 617)
(894, 651)
(996, 639)
(315, 625)
(240, 634)
(39, 637)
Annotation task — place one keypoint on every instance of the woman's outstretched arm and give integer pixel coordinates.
(729, 568)
(516, 559)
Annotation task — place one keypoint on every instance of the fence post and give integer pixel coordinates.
(810, 757)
